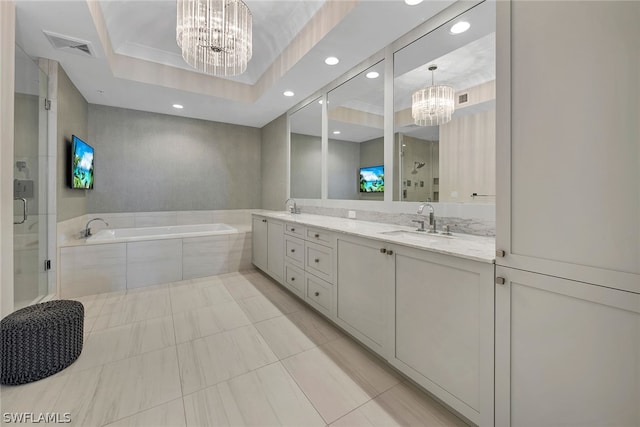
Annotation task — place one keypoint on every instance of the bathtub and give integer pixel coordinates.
(127, 258)
(155, 233)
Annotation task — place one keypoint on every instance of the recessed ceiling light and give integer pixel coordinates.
(373, 75)
(336, 132)
(412, 2)
(332, 60)
(460, 27)
(288, 93)
(178, 106)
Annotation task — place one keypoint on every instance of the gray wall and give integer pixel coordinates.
(306, 166)
(343, 164)
(154, 162)
(72, 120)
(274, 164)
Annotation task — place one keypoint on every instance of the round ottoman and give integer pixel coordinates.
(39, 340)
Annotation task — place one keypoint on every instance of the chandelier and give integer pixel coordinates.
(215, 35)
(432, 105)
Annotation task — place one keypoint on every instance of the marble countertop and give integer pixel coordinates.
(476, 248)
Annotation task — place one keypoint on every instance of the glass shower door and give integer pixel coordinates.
(30, 193)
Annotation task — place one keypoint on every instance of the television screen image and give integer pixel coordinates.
(372, 179)
(81, 164)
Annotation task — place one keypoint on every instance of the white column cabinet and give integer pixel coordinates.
(567, 214)
(567, 353)
(365, 288)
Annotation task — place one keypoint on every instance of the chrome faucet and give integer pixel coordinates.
(432, 220)
(87, 231)
(293, 209)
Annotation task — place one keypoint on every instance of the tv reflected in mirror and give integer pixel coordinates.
(81, 164)
(372, 179)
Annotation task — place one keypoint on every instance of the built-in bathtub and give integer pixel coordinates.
(159, 233)
(126, 258)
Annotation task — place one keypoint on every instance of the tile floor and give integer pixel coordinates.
(229, 350)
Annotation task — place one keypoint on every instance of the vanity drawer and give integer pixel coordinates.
(295, 230)
(294, 250)
(294, 279)
(319, 294)
(319, 261)
(320, 236)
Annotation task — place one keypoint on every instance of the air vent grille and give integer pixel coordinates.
(463, 98)
(70, 44)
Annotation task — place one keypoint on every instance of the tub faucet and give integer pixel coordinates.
(87, 231)
(293, 209)
(432, 220)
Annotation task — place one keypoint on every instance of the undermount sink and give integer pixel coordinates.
(415, 235)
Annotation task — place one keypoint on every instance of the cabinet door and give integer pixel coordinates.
(365, 286)
(259, 245)
(568, 170)
(444, 328)
(275, 257)
(567, 353)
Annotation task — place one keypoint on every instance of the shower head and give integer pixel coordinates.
(416, 166)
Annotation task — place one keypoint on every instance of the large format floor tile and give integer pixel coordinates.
(296, 332)
(95, 397)
(337, 378)
(265, 397)
(403, 405)
(216, 358)
(232, 350)
(125, 341)
(201, 322)
(167, 415)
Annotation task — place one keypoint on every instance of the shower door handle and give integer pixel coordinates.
(24, 209)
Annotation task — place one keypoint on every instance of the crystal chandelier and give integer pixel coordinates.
(215, 35)
(432, 105)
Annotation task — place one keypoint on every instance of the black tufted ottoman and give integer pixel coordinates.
(40, 340)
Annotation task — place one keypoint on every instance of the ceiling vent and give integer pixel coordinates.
(70, 44)
(463, 98)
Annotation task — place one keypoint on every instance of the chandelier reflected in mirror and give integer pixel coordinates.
(215, 35)
(433, 105)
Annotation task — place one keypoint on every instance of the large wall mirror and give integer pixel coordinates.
(441, 159)
(355, 112)
(305, 127)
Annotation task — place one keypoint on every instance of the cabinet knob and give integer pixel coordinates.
(500, 280)
(316, 260)
(383, 251)
(264, 220)
(317, 294)
(293, 229)
(293, 250)
(317, 235)
(500, 253)
(389, 252)
(293, 279)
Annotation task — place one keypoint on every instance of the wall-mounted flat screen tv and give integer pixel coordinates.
(372, 179)
(81, 164)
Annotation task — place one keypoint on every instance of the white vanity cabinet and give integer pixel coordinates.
(430, 315)
(443, 308)
(364, 289)
(268, 244)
